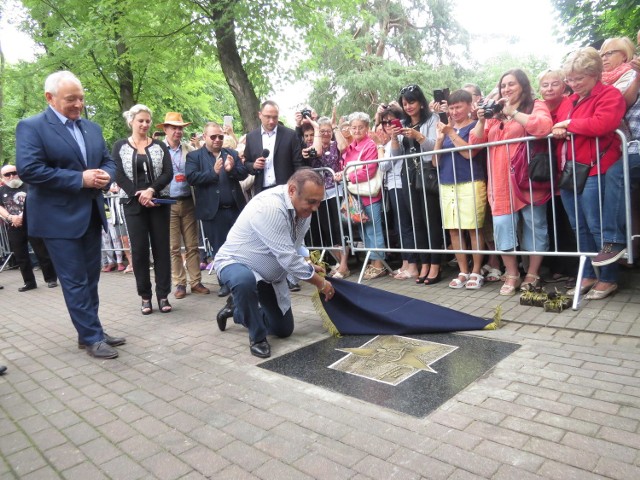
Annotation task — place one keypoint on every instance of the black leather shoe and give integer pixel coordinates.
(109, 340)
(260, 349)
(52, 284)
(293, 286)
(27, 287)
(224, 291)
(226, 312)
(101, 350)
(2, 369)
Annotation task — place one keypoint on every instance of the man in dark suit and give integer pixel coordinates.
(215, 174)
(284, 156)
(283, 144)
(67, 165)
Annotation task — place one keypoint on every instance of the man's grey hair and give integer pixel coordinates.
(304, 175)
(359, 117)
(54, 80)
(130, 114)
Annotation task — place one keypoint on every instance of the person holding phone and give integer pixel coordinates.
(418, 134)
(144, 172)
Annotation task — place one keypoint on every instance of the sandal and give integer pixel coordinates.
(164, 305)
(403, 275)
(339, 275)
(491, 274)
(457, 282)
(509, 290)
(527, 286)
(146, 308)
(476, 281)
(129, 269)
(433, 280)
(421, 280)
(374, 272)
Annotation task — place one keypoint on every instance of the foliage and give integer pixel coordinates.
(591, 21)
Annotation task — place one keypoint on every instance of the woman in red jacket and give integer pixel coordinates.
(593, 114)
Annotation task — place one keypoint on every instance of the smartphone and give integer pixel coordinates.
(440, 96)
(227, 120)
(396, 123)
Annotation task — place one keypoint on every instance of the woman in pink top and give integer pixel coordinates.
(362, 149)
(521, 116)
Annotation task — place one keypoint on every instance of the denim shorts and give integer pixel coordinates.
(534, 219)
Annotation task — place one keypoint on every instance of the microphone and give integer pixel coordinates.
(265, 153)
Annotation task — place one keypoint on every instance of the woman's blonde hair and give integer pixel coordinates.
(624, 44)
(586, 61)
(559, 74)
(130, 114)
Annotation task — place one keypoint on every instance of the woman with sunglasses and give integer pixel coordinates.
(143, 172)
(520, 116)
(418, 134)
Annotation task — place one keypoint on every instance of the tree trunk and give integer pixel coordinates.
(234, 72)
(2, 159)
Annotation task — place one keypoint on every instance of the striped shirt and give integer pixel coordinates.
(266, 238)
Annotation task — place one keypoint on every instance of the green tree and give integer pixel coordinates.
(590, 21)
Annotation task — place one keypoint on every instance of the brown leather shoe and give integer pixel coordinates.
(181, 291)
(199, 288)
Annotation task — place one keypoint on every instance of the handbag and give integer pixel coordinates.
(574, 170)
(520, 177)
(543, 163)
(352, 211)
(370, 188)
(431, 184)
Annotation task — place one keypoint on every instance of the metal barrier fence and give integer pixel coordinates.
(5, 248)
(419, 202)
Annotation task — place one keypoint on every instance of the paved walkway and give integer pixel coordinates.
(185, 401)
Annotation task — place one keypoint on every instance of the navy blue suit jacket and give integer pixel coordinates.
(49, 159)
(204, 179)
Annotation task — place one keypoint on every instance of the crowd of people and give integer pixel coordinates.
(143, 201)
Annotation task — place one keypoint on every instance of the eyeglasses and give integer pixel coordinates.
(609, 53)
(359, 128)
(325, 132)
(575, 80)
(409, 89)
(217, 137)
(10, 174)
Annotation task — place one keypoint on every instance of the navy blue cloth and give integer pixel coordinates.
(361, 310)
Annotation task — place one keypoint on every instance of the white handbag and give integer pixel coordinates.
(370, 188)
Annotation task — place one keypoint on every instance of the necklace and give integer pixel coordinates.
(135, 144)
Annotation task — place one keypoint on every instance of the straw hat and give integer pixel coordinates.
(173, 118)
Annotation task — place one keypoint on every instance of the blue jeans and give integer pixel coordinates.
(256, 306)
(613, 214)
(372, 234)
(587, 225)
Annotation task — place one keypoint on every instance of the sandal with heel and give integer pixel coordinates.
(164, 305)
(526, 286)
(146, 308)
(509, 290)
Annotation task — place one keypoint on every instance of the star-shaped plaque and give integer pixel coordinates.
(391, 359)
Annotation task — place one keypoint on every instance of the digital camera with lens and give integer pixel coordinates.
(306, 113)
(312, 153)
(491, 108)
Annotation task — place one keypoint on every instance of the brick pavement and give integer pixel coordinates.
(184, 401)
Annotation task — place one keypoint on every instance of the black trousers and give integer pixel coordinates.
(325, 225)
(217, 229)
(149, 227)
(19, 242)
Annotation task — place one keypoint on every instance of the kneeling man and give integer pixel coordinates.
(261, 250)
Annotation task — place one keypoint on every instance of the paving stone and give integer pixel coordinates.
(508, 472)
(559, 471)
(532, 429)
(276, 469)
(610, 468)
(234, 472)
(561, 453)
(124, 468)
(377, 468)
(205, 462)
(466, 460)
(421, 464)
(512, 456)
(25, 461)
(497, 434)
(165, 466)
(139, 447)
(322, 468)
(84, 471)
(280, 448)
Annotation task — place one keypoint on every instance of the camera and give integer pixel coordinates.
(491, 108)
(306, 113)
(312, 153)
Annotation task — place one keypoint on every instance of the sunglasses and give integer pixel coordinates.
(217, 137)
(10, 174)
(409, 89)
